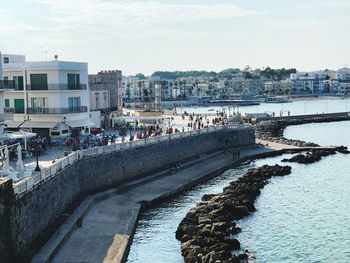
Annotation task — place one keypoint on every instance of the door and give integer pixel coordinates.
(19, 105)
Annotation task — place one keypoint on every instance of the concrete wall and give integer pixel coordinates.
(306, 117)
(33, 216)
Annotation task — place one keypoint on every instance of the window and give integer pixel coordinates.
(64, 131)
(55, 133)
(97, 99)
(38, 81)
(18, 81)
(73, 103)
(6, 60)
(7, 103)
(73, 81)
(105, 96)
(39, 103)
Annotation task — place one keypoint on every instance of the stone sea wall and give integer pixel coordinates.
(28, 221)
(272, 129)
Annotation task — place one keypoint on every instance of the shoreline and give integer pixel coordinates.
(54, 247)
(207, 231)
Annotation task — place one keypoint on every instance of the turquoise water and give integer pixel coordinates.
(295, 108)
(302, 217)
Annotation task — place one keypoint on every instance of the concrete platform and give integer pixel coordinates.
(109, 218)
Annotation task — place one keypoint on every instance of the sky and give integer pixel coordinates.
(161, 35)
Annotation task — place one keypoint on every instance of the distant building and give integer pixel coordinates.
(106, 94)
(48, 97)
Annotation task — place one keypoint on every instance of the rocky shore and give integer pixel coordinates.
(273, 130)
(206, 231)
(315, 155)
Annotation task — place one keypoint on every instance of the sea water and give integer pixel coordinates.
(301, 217)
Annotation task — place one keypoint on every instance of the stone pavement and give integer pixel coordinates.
(276, 146)
(108, 225)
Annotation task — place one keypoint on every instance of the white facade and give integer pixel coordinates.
(49, 96)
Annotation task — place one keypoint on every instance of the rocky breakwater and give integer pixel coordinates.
(273, 131)
(206, 231)
(315, 155)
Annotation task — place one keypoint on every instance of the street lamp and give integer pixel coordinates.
(169, 120)
(37, 168)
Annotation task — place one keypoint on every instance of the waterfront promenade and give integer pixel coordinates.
(108, 225)
(110, 218)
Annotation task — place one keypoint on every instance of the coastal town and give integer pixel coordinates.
(55, 114)
(52, 107)
(158, 131)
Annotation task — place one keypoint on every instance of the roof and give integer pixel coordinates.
(29, 124)
(80, 123)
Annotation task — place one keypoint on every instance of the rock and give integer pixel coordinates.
(242, 256)
(207, 197)
(207, 228)
(211, 257)
(203, 220)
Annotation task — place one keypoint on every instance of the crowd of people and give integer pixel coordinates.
(197, 121)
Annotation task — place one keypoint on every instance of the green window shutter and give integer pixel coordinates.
(19, 105)
(15, 81)
(7, 103)
(38, 81)
(20, 83)
(71, 81)
(77, 81)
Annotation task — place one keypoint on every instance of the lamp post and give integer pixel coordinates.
(37, 168)
(169, 120)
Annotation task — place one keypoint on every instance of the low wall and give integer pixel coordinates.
(306, 117)
(34, 215)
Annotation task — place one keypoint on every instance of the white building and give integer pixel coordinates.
(49, 97)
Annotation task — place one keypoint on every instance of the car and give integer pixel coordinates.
(96, 130)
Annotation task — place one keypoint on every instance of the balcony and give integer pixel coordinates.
(47, 111)
(7, 84)
(56, 111)
(57, 86)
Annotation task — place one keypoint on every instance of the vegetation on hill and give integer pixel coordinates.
(267, 73)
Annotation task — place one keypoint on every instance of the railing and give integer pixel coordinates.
(57, 110)
(14, 110)
(38, 177)
(57, 86)
(7, 84)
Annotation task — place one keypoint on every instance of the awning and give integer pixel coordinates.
(80, 123)
(23, 134)
(29, 124)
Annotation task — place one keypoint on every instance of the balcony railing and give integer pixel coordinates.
(7, 84)
(55, 111)
(47, 111)
(57, 86)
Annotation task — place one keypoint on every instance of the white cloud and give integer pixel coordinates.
(126, 16)
(3, 13)
(338, 3)
(17, 28)
(292, 24)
